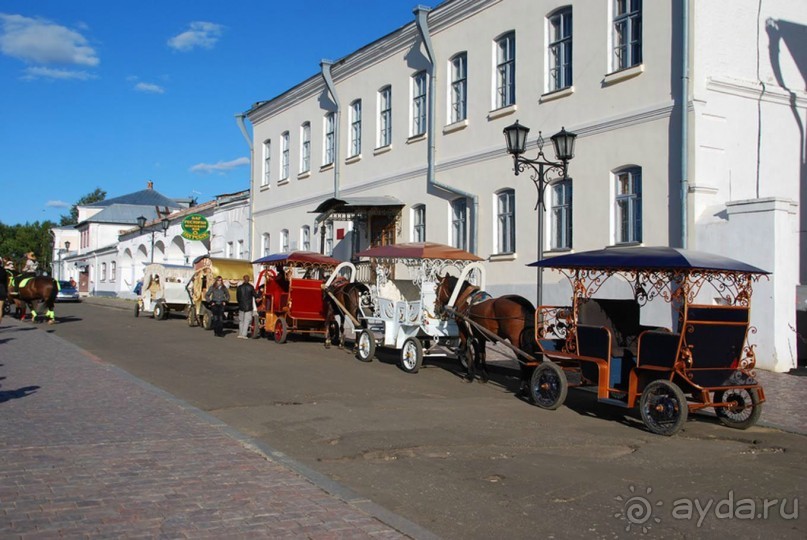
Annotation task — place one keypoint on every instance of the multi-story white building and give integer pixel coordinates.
(695, 112)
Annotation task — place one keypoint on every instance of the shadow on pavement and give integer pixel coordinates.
(8, 395)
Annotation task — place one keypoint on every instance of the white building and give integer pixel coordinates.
(416, 117)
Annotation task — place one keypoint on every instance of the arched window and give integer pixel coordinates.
(459, 87)
(419, 223)
(305, 147)
(305, 238)
(267, 162)
(559, 51)
(284, 241)
(355, 128)
(561, 214)
(284, 156)
(506, 70)
(385, 117)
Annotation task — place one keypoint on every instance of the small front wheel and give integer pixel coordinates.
(137, 309)
(365, 346)
(548, 386)
(663, 407)
(281, 331)
(411, 355)
(160, 313)
(745, 409)
(255, 326)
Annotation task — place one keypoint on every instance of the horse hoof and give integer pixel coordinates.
(483, 380)
(467, 379)
(51, 322)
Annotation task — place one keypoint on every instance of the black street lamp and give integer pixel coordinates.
(141, 223)
(544, 171)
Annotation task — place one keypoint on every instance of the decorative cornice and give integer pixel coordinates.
(770, 93)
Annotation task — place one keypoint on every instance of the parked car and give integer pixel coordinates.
(67, 293)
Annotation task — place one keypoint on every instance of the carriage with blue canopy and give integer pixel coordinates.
(600, 342)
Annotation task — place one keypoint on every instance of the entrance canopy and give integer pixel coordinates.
(349, 208)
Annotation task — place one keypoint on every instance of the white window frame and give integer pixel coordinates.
(559, 49)
(266, 244)
(284, 156)
(305, 147)
(305, 238)
(267, 163)
(459, 223)
(561, 214)
(284, 241)
(419, 223)
(506, 221)
(329, 238)
(239, 249)
(113, 270)
(355, 128)
(385, 117)
(628, 205)
(103, 271)
(418, 84)
(228, 253)
(459, 88)
(626, 34)
(329, 139)
(506, 70)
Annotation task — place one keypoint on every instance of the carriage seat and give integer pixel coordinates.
(306, 299)
(620, 317)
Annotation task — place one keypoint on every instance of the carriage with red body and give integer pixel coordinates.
(703, 360)
(291, 293)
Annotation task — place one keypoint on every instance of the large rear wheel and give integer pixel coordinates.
(745, 410)
(411, 355)
(548, 386)
(365, 346)
(160, 311)
(663, 407)
(207, 320)
(281, 331)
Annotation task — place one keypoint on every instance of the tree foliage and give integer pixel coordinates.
(72, 218)
(17, 240)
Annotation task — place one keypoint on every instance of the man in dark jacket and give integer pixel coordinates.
(245, 294)
(217, 297)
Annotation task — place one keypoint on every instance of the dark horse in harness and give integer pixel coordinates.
(25, 290)
(350, 295)
(509, 317)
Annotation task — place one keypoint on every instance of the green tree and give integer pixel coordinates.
(17, 240)
(72, 219)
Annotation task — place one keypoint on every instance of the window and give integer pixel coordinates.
(330, 139)
(355, 128)
(560, 50)
(305, 238)
(506, 221)
(284, 156)
(419, 103)
(103, 271)
(506, 70)
(419, 223)
(459, 210)
(267, 162)
(284, 241)
(627, 37)
(113, 270)
(305, 147)
(239, 249)
(229, 251)
(329, 238)
(628, 205)
(459, 88)
(265, 244)
(385, 117)
(561, 215)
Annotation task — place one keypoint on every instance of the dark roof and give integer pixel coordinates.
(145, 197)
(123, 213)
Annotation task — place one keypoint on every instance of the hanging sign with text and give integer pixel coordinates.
(195, 227)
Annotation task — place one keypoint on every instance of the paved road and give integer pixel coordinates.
(464, 461)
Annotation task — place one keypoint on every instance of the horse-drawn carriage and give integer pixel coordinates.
(206, 268)
(402, 313)
(291, 299)
(702, 361)
(163, 290)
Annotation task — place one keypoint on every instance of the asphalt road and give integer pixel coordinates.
(465, 460)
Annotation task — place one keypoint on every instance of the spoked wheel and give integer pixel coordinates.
(663, 407)
(411, 355)
(192, 321)
(548, 386)
(281, 331)
(137, 309)
(207, 320)
(365, 346)
(745, 411)
(160, 313)
(255, 327)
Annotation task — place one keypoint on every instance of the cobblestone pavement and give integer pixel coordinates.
(88, 450)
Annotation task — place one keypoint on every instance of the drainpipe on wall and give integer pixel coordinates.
(239, 119)
(421, 18)
(325, 65)
(684, 121)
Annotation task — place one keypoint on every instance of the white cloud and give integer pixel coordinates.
(57, 204)
(221, 166)
(149, 88)
(32, 73)
(40, 41)
(200, 34)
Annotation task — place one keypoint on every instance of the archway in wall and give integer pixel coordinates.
(159, 251)
(127, 271)
(175, 251)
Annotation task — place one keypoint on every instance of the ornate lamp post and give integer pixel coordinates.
(544, 171)
(141, 223)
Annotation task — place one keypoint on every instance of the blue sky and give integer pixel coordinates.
(111, 94)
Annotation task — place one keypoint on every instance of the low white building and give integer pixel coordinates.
(690, 120)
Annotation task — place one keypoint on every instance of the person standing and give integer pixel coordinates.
(245, 294)
(31, 265)
(217, 297)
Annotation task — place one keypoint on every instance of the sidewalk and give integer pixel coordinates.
(88, 450)
(785, 392)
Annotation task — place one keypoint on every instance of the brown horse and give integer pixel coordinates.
(509, 317)
(38, 289)
(350, 295)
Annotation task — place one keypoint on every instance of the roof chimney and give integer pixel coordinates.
(150, 185)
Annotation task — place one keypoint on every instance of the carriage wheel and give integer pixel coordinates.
(663, 407)
(137, 309)
(160, 311)
(744, 413)
(548, 386)
(411, 355)
(192, 320)
(281, 331)
(255, 327)
(365, 346)
(207, 320)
